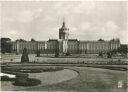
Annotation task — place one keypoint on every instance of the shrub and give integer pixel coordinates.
(29, 82)
(6, 78)
(68, 54)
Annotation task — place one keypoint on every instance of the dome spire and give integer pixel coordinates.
(63, 31)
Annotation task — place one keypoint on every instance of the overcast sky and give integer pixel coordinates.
(85, 20)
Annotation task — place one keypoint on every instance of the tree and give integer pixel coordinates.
(101, 54)
(56, 53)
(123, 50)
(109, 55)
(24, 57)
(68, 53)
(33, 40)
(38, 53)
(6, 45)
(57, 49)
(100, 39)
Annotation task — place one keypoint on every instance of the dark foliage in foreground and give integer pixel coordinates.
(29, 82)
(6, 78)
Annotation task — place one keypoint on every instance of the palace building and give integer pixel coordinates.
(66, 45)
(31, 46)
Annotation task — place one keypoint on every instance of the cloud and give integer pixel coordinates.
(86, 20)
(81, 29)
(28, 16)
(123, 35)
(94, 31)
(110, 25)
(37, 12)
(85, 26)
(14, 34)
(84, 7)
(24, 16)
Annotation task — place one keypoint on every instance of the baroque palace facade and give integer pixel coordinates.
(64, 45)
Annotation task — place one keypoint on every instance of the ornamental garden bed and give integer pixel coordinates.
(31, 69)
(28, 82)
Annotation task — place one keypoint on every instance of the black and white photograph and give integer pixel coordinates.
(64, 46)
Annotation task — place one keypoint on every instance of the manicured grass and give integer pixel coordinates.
(90, 80)
(6, 59)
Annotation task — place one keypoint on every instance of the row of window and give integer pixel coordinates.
(27, 46)
(98, 46)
